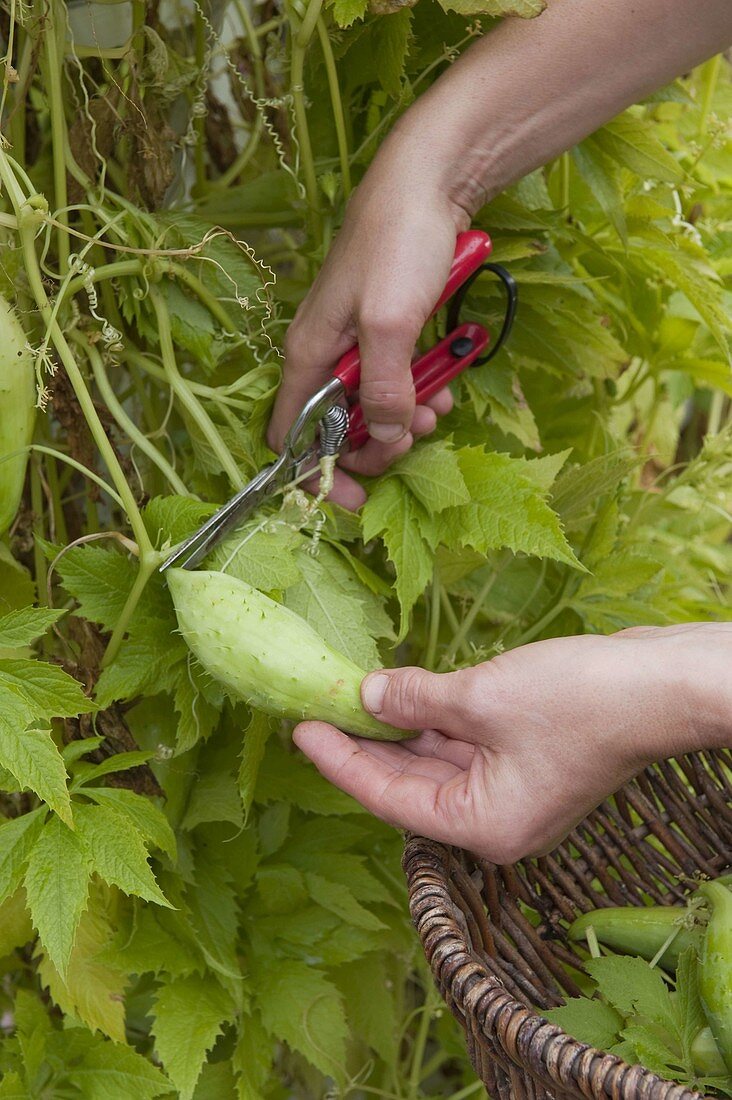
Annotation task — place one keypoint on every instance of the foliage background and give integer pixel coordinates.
(187, 909)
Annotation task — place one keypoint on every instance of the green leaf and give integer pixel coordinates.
(432, 473)
(698, 283)
(86, 771)
(192, 326)
(99, 580)
(213, 913)
(215, 797)
(12, 1088)
(301, 1007)
(346, 12)
(16, 927)
(57, 884)
(171, 519)
(392, 513)
(506, 510)
(332, 600)
(252, 752)
(262, 558)
(48, 690)
(31, 756)
(603, 179)
(369, 991)
(339, 900)
(197, 715)
(17, 837)
(253, 1057)
(150, 821)
(588, 1021)
(113, 1070)
(391, 40)
(141, 667)
(632, 986)
(21, 627)
(189, 1014)
(116, 852)
(631, 142)
(92, 991)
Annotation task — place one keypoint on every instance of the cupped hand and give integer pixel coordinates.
(516, 751)
(378, 285)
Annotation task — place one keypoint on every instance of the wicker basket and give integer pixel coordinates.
(494, 968)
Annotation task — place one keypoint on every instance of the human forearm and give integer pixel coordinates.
(532, 88)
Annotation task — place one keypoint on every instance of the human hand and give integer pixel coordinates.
(516, 751)
(379, 284)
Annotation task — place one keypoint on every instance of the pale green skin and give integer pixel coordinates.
(17, 411)
(268, 656)
(715, 967)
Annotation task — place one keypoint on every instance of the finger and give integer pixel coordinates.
(347, 492)
(412, 698)
(386, 390)
(436, 744)
(424, 421)
(350, 764)
(411, 763)
(441, 402)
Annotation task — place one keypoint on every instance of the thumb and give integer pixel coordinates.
(411, 698)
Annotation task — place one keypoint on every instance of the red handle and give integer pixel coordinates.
(431, 372)
(472, 248)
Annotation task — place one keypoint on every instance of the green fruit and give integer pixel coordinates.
(268, 656)
(17, 411)
(715, 967)
(639, 930)
(705, 1055)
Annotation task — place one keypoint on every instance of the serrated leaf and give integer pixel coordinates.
(432, 473)
(252, 752)
(31, 756)
(631, 142)
(48, 690)
(188, 1017)
(588, 1021)
(334, 607)
(700, 287)
(93, 991)
(16, 927)
(75, 750)
(214, 797)
(197, 715)
(630, 985)
(253, 1057)
(300, 1006)
(150, 821)
(12, 1088)
(214, 914)
(21, 627)
(56, 885)
(171, 519)
(602, 178)
(86, 771)
(263, 558)
(110, 1069)
(99, 580)
(346, 12)
(392, 513)
(369, 989)
(338, 899)
(506, 510)
(115, 850)
(17, 837)
(141, 667)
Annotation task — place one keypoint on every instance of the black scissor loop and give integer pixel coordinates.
(511, 289)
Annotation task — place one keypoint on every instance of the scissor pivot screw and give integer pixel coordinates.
(461, 347)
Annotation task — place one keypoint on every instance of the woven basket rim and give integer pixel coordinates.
(527, 1040)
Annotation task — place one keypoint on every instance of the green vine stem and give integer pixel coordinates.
(148, 565)
(59, 135)
(434, 622)
(255, 48)
(477, 606)
(302, 32)
(129, 427)
(452, 619)
(337, 106)
(183, 392)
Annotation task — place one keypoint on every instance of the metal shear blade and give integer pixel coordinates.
(300, 450)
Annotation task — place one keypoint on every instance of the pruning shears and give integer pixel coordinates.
(332, 419)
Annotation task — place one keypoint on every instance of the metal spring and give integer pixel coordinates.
(333, 430)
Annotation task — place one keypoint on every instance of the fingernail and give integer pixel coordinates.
(387, 433)
(373, 690)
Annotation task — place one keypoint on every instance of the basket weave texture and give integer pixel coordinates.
(496, 970)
